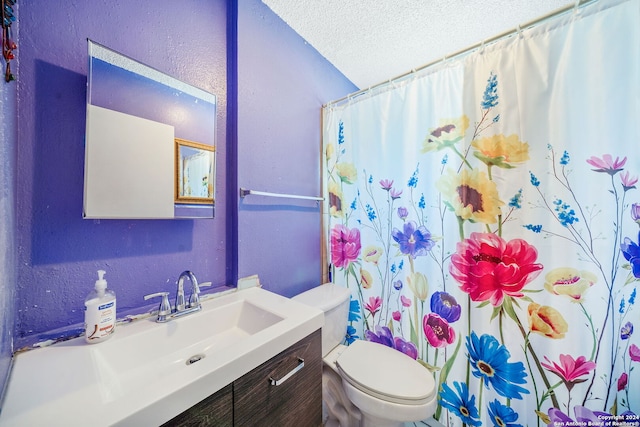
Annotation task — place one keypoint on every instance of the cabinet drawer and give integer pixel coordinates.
(296, 401)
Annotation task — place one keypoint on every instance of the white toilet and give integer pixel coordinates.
(366, 383)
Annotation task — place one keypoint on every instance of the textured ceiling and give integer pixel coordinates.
(371, 41)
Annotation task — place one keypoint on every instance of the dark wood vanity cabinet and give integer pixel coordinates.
(216, 410)
(295, 402)
(253, 399)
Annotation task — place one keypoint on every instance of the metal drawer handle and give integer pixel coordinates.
(289, 375)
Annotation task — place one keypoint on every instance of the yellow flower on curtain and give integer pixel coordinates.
(366, 279)
(419, 285)
(569, 282)
(547, 321)
(335, 200)
(372, 254)
(328, 152)
(347, 172)
(448, 133)
(502, 151)
(471, 195)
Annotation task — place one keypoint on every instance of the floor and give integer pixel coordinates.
(427, 423)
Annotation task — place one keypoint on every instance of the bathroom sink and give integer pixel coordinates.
(183, 342)
(148, 372)
(161, 350)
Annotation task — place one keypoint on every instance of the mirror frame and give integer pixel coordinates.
(180, 196)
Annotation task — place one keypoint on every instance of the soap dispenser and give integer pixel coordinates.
(100, 312)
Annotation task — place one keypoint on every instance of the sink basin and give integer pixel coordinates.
(149, 372)
(160, 350)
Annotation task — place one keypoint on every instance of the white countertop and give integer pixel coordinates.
(77, 384)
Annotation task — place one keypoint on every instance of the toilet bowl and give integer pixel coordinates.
(366, 383)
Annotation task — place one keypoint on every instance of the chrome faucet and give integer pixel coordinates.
(194, 299)
(166, 312)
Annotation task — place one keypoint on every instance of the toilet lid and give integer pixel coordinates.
(386, 373)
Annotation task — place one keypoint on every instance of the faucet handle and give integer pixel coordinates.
(165, 307)
(197, 286)
(194, 299)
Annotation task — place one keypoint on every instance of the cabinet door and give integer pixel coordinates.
(215, 410)
(296, 401)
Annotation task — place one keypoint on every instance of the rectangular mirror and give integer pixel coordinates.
(146, 132)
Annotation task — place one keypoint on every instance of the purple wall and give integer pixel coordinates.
(59, 252)
(8, 138)
(282, 84)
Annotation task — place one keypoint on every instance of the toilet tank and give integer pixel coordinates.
(333, 300)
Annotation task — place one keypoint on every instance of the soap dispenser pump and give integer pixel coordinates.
(100, 312)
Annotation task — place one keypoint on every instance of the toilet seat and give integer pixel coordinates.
(386, 373)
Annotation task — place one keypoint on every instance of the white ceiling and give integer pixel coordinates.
(371, 41)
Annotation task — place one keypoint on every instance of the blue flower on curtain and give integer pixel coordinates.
(460, 403)
(490, 97)
(631, 252)
(414, 240)
(502, 416)
(445, 306)
(351, 335)
(490, 362)
(626, 331)
(354, 310)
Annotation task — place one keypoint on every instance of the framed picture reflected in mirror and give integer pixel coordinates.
(194, 172)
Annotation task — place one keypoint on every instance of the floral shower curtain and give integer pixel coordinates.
(485, 214)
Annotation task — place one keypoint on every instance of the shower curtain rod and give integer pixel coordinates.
(505, 34)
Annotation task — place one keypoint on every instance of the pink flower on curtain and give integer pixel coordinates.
(570, 370)
(634, 353)
(622, 381)
(490, 268)
(406, 302)
(606, 164)
(395, 193)
(345, 245)
(386, 184)
(373, 306)
(628, 181)
(437, 330)
(396, 316)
